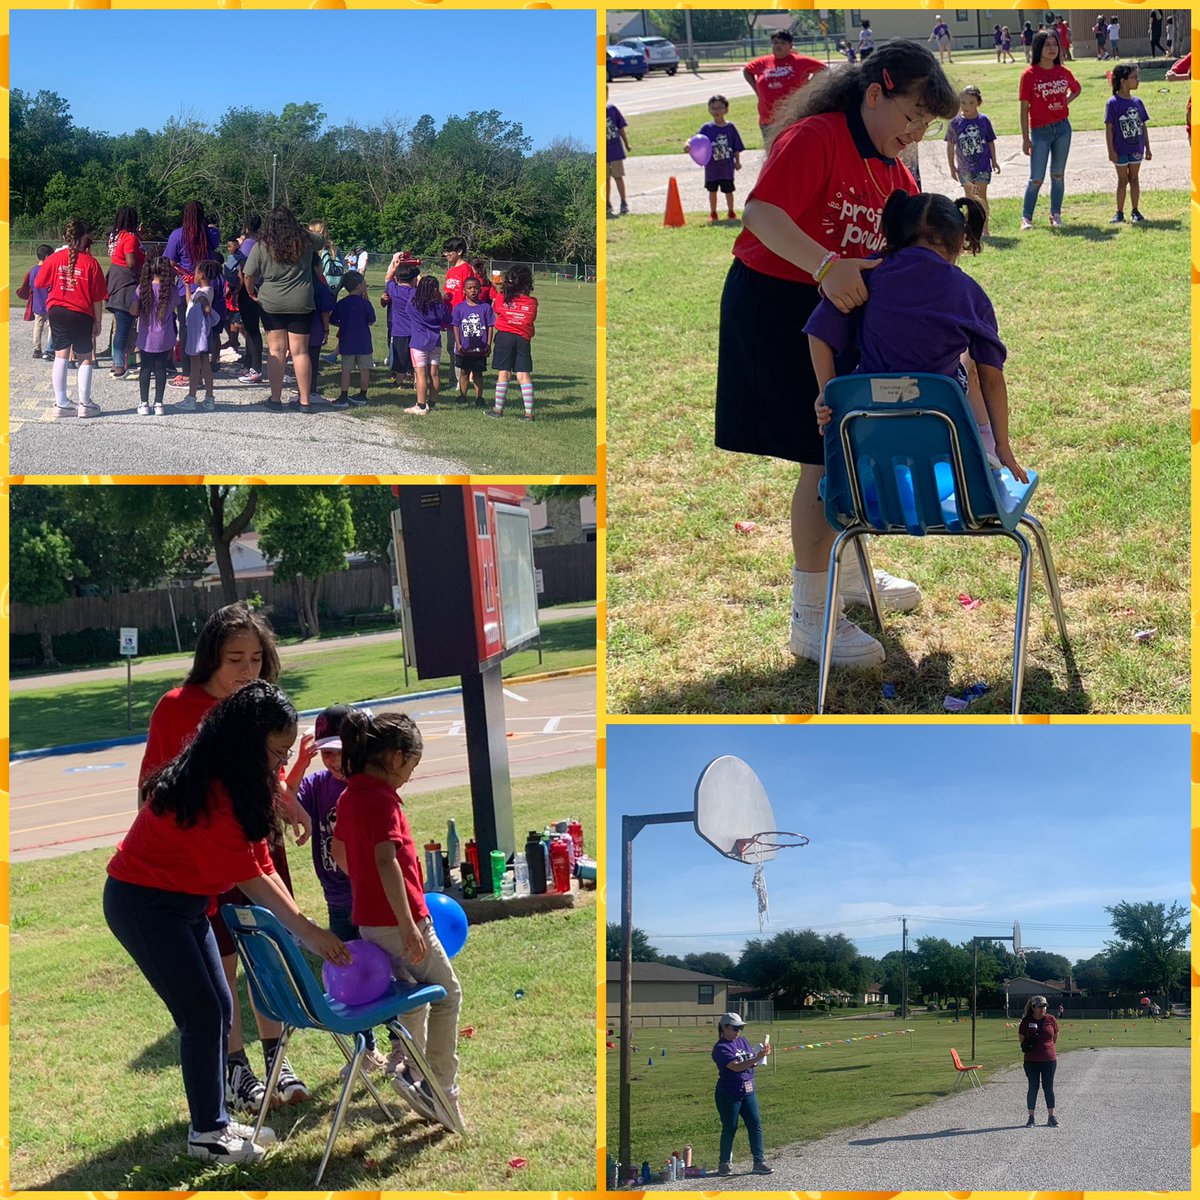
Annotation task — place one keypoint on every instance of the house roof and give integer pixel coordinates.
(650, 972)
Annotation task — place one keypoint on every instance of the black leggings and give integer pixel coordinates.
(254, 339)
(1043, 1073)
(156, 363)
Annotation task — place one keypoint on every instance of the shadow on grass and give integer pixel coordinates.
(834, 1070)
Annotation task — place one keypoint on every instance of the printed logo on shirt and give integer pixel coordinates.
(1051, 89)
(1131, 125)
(970, 141)
(472, 326)
(776, 77)
(611, 130)
(860, 223)
(720, 151)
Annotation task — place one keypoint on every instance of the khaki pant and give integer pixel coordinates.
(41, 329)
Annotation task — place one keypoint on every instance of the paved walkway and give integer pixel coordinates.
(1088, 170)
(183, 663)
(1125, 1126)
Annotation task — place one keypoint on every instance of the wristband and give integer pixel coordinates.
(823, 267)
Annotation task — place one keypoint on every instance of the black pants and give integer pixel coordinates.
(254, 340)
(156, 364)
(1043, 1073)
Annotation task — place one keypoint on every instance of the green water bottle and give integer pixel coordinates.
(499, 866)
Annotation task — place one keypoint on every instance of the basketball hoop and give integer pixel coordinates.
(754, 850)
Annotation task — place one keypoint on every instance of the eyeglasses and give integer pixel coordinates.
(281, 756)
(919, 125)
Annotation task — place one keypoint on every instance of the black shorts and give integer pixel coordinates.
(70, 330)
(512, 353)
(723, 185)
(765, 398)
(237, 896)
(400, 361)
(292, 322)
(477, 362)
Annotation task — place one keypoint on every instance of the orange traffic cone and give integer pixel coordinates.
(674, 217)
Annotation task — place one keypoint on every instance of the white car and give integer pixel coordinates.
(661, 54)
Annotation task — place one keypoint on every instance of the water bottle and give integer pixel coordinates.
(521, 871)
(575, 829)
(499, 866)
(560, 866)
(536, 863)
(452, 843)
(471, 850)
(470, 885)
(433, 867)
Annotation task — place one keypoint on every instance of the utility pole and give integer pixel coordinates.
(904, 971)
(274, 164)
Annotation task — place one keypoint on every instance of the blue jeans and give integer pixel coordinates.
(121, 338)
(731, 1107)
(1043, 1073)
(1052, 144)
(168, 936)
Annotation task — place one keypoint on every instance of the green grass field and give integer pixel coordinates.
(1096, 323)
(89, 711)
(665, 132)
(96, 1098)
(560, 441)
(805, 1094)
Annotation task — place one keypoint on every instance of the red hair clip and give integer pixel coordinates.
(887, 81)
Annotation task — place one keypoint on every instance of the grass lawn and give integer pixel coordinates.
(89, 711)
(807, 1094)
(698, 612)
(560, 441)
(665, 132)
(528, 1075)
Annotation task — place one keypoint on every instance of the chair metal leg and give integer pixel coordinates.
(441, 1103)
(957, 1080)
(1043, 544)
(343, 1103)
(832, 613)
(1022, 620)
(862, 548)
(272, 1080)
(344, 1046)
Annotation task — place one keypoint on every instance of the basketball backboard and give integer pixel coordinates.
(731, 807)
(1016, 938)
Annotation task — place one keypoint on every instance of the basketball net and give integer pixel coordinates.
(753, 849)
(759, 884)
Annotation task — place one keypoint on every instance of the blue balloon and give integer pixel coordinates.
(449, 921)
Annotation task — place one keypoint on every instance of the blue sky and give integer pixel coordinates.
(536, 67)
(964, 829)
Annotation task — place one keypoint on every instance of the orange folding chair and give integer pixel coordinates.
(968, 1071)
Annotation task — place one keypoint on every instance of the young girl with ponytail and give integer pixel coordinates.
(924, 314)
(373, 844)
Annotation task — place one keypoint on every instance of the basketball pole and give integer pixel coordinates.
(975, 979)
(631, 826)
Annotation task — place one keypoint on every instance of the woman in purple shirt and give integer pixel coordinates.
(735, 1095)
(1037, 1033)
(193, 242)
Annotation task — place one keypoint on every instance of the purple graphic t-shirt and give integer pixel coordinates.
(318, 796)
(473, 322)
(401, 301)
(970, 137)
(1128, 118)
(726, 142)
(733, 1083)
(614, 123)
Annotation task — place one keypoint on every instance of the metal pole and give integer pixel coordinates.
(274, 164)
(974, 990)
(692, 62)
(129, 691)
(174, 622)
(904, 971)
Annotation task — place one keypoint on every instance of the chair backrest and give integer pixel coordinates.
(957, 1060)
(903, 455)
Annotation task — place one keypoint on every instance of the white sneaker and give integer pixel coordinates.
(159, 410)
(852, 647)
(900, 594)
(143, 410)
(373, 1060)
(90, 409)
(266, 1135)
(224, 1146)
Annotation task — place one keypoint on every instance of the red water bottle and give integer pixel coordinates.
(472, 852)
(560, 865)
(576, 831)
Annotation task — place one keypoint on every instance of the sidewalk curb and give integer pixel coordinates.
(140, 738)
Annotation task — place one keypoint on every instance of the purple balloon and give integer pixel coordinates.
(700, 148)
(364, 980)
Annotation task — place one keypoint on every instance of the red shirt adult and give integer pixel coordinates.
(80, 293)
(516, 316)
(826, 174)
(456, 276)
(173, 724)
(127, 251)
(1064, 35)
(1044, 1032)
(370, 812)
(205, 859)
(1046, 94)
(775, 78)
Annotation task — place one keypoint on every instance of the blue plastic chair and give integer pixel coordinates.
(285, 989)
(903, 456)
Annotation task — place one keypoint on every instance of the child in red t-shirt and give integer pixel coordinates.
(204, 827)
(516, 312)
(373, 844)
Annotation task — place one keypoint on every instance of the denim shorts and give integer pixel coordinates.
(984, 177)
(1125, 160)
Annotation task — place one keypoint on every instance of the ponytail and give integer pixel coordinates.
(367, 738)
(974, 216)
(952, 224)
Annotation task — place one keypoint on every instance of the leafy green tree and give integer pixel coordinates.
(710, 962)
(1041, 964)
(229, 511)
(708, 25)
(371, 506)
(43, 563)
(307, 532)
(640, 944)
(1156, 935)
(1092, 974)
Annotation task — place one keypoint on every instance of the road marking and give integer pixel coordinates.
(93, 767)
(455, 729)
(551, 725)
(514, 696)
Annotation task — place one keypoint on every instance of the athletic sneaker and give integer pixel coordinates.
(187, 404)
(713, 218)
(761, 1168)
(1026, 223)
(852, 647)
(159, 410)
(725, 1169)
(900, 594)
(208, 404)
(90, 409)
(143, 410)
(1117, 219)
(243, 1089)
(266, 1135)
(1052, 1121)
(1031, 1122)
(38, 353)
(250, 376)
(290, 1088)
(223, 1146)
(495, 412)
(624, 208)
(1136, 217)
(357, 400)
(1055, 220)
(180, 381)
(416, 1095)
(418, 411)
(62, 411)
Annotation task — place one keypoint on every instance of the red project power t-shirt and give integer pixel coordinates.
(173, 724)
(79, 293)
(456, 276)
(516, 316)
(774, 79)
(1046, 93)
(817, 174)
(369, 812)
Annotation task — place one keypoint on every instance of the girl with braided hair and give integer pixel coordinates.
(189, 245)
(75, 309)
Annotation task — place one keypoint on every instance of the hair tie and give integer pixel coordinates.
(887, 81)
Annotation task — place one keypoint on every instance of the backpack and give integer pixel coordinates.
(333, 268)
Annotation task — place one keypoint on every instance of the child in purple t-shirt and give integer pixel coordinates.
(616, 144)
(35, 310)
(354, 315)
(726, 158)
(971, 149)
(155, 308)
(474, 325)
(1125, 121)
(924, 314)
(318, 333)
(397, 298)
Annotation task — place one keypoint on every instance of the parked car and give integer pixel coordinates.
(624, 61)
(660, 54)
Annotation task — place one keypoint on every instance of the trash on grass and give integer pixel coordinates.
(745, 526)
(963, 702)
(518, 1163)
(1145, 635)
(889, 691)
(969, 603)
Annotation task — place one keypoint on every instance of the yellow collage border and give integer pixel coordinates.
(603, 719)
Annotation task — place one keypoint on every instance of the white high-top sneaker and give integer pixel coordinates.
(852, 647)
(900, 594)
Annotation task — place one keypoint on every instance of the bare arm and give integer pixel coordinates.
(263, 890)
(821, 354)
(1025, 126)
(995, 397)
(392, 879)
(749, 77)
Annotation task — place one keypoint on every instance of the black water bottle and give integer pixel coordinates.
(537, 863)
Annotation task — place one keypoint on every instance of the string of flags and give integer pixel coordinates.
(866, 1037)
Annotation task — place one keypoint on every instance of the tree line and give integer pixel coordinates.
(1147, 953)
(391, 185)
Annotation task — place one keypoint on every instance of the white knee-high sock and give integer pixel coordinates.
(59, 378)
(85, 382)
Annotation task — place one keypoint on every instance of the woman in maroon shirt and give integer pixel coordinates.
(1037, 1033)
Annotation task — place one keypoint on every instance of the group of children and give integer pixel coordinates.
(66, 291)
